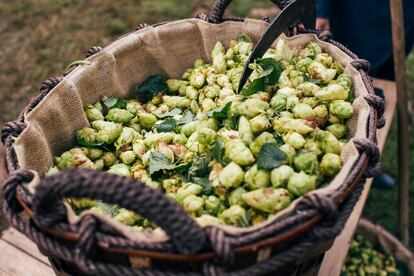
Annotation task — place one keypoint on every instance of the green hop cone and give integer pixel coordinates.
(238, 152)
(267, 200)
(331, 93)
(307, 162)
(245, 130)
(280, 176)
(235, 215)
(197, 79)
(205, 220)
(341, 109)
(235, 196)
(255, 178)
(319, 72)
(308, 89)
(108, 132)
(252, 107)
(231, 176)
(128, 157)
(303, 111)
(278, 103)
(301, 183)
(193, 204)
(147, 120)
(118, 115)
(339, 130)
(327, 142)
(330, 164)
(127, 217)
(186, 190)
(289, 151)
(93, 113)
(213, 205)
(86, 136)
(263, 138)
(259, 123)
(294, 139)
(120, 169)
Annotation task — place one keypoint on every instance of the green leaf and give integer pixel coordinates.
(187, 118)
(205, 183)
(199, 167)
(245, 38)
(152, 86)
(83, 143)
(220, 112)
(183, 168)
(308, 78)
(267, 70)
(254, 87)
(113, 102)
(276, 71)
(172, 113)
(157, 162)
(270, 157)
(167, 125)
(218, 150)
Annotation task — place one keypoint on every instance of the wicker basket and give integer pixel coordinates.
(291, 244)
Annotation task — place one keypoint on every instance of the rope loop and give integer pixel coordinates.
(202, 16)
(141, 26)
(221, 245)
(50, 83)
(361, 64)
(10, 186)
(93, 50)
(325, 36)
(371, 149)
(322, 203)
(377, 103)
(12, 129)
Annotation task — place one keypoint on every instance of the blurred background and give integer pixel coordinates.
(39, 38)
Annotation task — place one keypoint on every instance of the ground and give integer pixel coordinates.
(39, 38)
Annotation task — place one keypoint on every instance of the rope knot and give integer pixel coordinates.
(141, 26)
(10, 186)
(266, 18)
(202, 16)
(221, 245)
(371, 149)
(361, 64)
(325, 36)
(93, 50)
(11, 129)
(322, 203)
(377, 103)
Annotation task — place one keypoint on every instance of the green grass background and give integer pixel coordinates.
(39, 38)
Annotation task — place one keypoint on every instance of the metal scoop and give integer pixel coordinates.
(298, 11)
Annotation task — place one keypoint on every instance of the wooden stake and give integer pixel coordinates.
(398, 41)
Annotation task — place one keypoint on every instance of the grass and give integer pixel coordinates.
(39, 38)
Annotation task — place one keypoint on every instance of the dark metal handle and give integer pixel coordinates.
(220, 6)
(185, 234)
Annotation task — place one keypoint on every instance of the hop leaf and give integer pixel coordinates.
(270, 157)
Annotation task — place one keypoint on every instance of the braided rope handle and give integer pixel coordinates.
(151, 204)
(220, 6)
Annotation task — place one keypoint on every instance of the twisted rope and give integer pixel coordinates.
(152, 204)
(92, 51)
(371, 149)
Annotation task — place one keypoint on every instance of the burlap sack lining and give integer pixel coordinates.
(168, 49)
